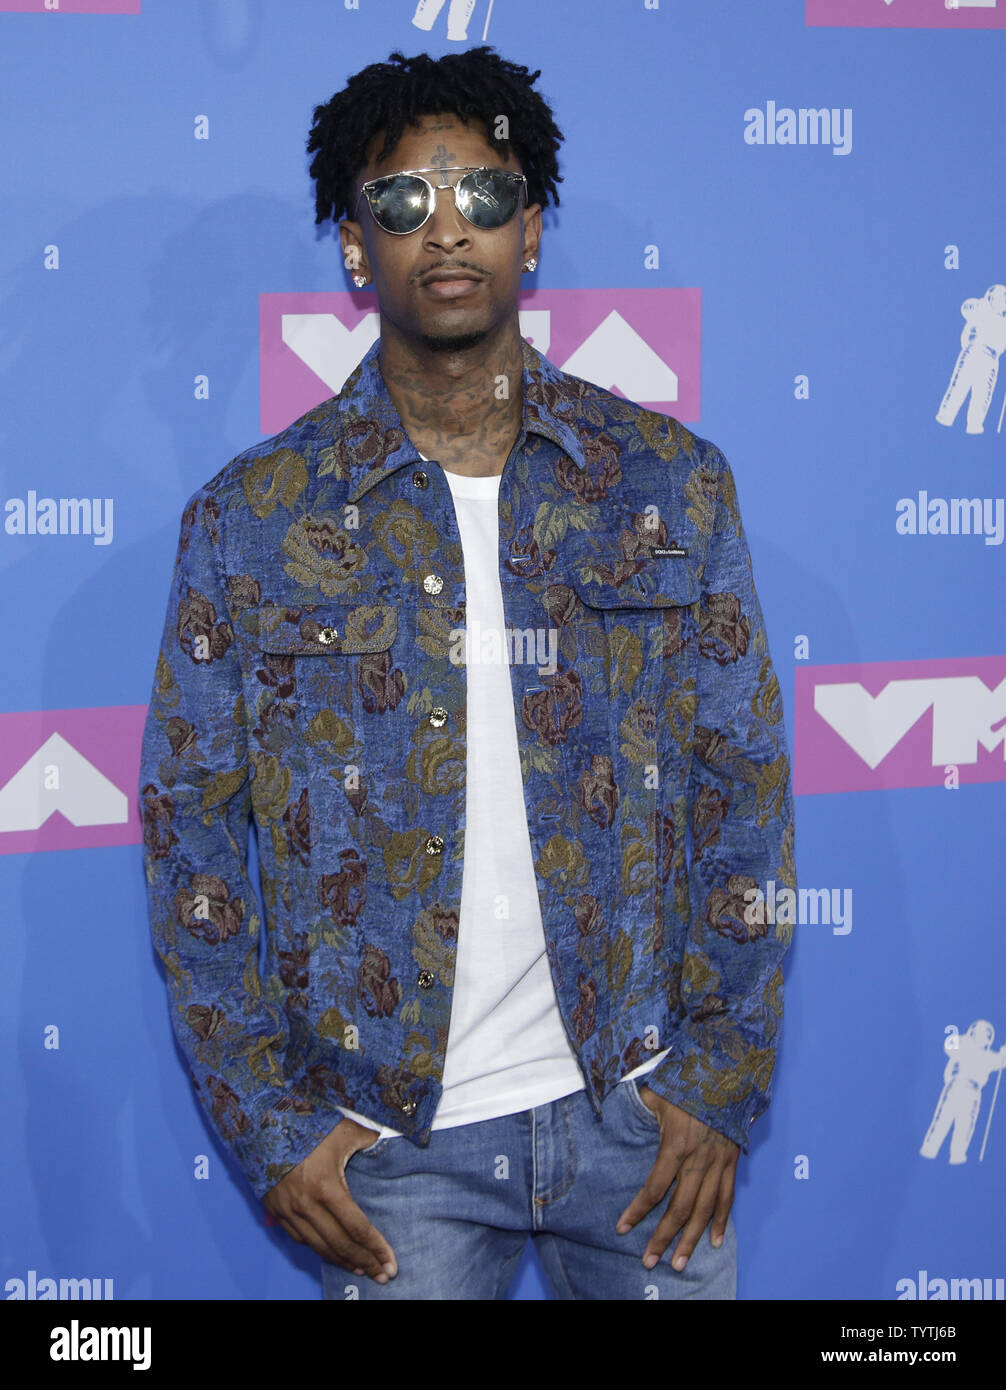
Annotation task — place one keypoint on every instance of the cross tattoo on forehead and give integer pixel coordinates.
(442, 158)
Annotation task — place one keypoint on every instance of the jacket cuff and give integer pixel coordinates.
(284, 1138)
(726, 1085)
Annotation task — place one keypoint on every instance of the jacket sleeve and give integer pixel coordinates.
(195, 800)
(740, 812)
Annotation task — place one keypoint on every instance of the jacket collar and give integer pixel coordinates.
(372, 442)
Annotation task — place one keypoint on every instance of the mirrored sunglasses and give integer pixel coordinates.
(402, 203)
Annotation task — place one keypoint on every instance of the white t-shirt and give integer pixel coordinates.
(507, 1048)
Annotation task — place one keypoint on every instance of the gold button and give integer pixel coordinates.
(425, 979)
(433, 583)
(435, 844)
(419, 479)
(328, 635)
(408, 1107)
(438, 716)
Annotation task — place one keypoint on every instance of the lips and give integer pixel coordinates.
(446, 274)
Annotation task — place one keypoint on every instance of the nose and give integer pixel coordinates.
(446, 226)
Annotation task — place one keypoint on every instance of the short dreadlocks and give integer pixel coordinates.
(477, 85)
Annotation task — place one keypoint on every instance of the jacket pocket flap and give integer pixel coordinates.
(644, 581)
(326, 630)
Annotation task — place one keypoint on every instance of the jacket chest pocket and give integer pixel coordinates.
(635, 620)
(634, 617)
(319, 679)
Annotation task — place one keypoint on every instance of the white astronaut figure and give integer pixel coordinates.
(983, 338)
(458, 16)
(971, 1063)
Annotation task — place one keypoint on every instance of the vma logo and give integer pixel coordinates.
(983, 340)
(68, 778)
(644, 345)
(937, 723)
(907, 14)
(458, 17)
(72, 6)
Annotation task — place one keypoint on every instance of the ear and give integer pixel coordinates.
(532, 229)
(354, 251)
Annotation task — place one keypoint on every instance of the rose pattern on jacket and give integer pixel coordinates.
(380, 684)
(157, 812)
(379, 991)
(278, 674)
(344, 893)
(586, 1008)
(206, 1020)
(708, 815)
(200, 635)
(324, 556)
(598, 792)
(725, 629)
(226, 1107)
(552, 712)
(525, 557)
(297, 824)
(589, 916)
(603, 470)
(725, 910)
(294, 963)
(435, 933)
(207, 910)
(243, 592)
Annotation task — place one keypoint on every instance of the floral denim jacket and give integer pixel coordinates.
(308, 683)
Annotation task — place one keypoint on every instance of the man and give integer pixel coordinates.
(475, 645)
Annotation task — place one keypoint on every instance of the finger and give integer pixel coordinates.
(691, 1221)
(697, 1223)
(724, 1202)
(360, 1255)
(679, 1209)
(337, 1205)
(316, 1226)
(352, 1216)
(304, 1234)
(654, 1189)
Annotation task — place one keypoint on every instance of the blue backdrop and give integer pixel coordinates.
(155, 188)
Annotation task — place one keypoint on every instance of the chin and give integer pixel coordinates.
(453, 342)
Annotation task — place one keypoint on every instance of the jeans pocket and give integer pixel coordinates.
(375, 1149)
(638, 1104)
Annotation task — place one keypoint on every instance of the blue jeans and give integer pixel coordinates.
(459, 1212)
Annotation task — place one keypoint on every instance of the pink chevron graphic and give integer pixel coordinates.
(907, 14)
(645, 345)
(71, 6)
(68, 778)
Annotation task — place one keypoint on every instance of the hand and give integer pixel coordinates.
(704, 1163)
(314, 1206)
